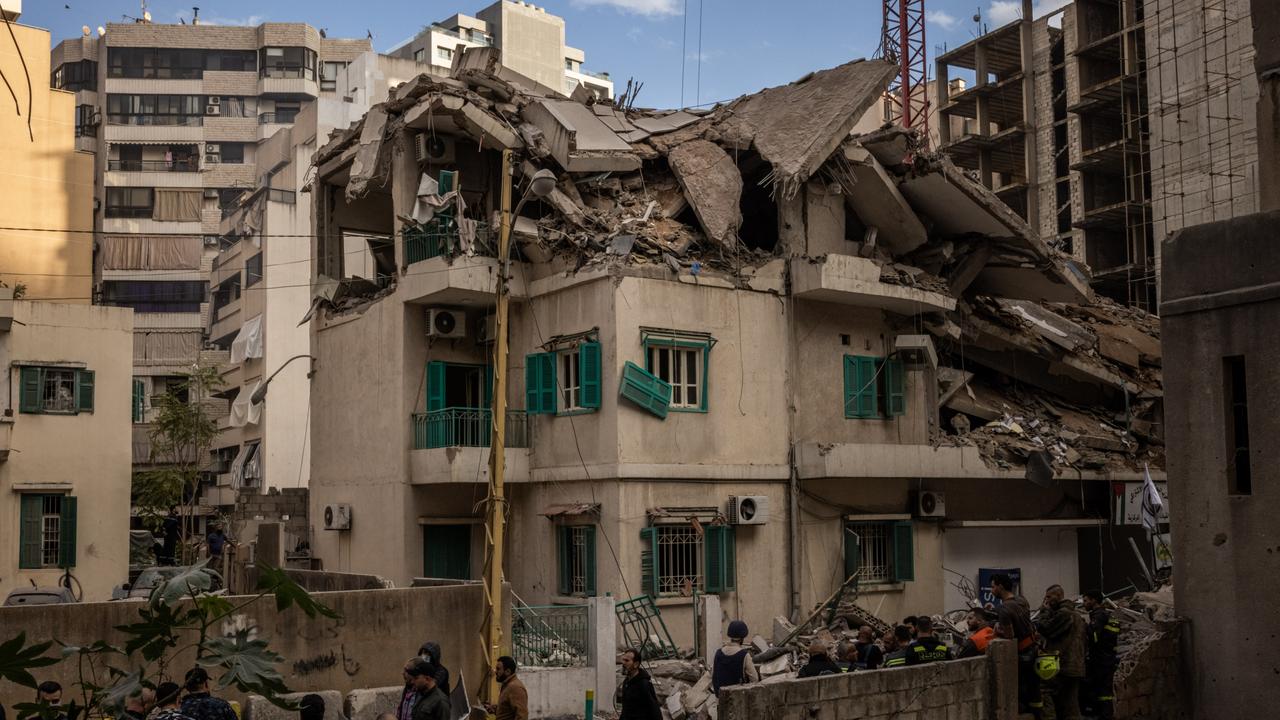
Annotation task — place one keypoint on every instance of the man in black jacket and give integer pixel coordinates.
(637, 697)
(431, 702)
(819, 662)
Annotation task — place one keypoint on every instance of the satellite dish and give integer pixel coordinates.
(84, 30)
(146, 16)
(101, 31)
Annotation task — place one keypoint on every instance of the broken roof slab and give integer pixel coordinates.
(464, 281)
(797, 127)
(876, 200)
(849, 280)
(712, 184)
(450, 114)
(579, 140)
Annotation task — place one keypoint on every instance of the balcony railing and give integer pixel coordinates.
(283, 118)
(288, 72)
(441, 237)
(188, 165)
(466, 427)
(550, 635)
(470, 36)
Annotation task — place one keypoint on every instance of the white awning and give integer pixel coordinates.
(248, 342)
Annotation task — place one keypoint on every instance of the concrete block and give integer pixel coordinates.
(851, 709)
(760, 643)
(804, 691)
(939, 696)
(695, 696)
(782, 627)
(836, 687)
(368, 704)
(675, 706)
(259, 708)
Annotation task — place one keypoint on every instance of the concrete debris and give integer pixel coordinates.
(713, 187)
(782, 628)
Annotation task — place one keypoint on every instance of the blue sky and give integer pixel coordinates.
(745, 44)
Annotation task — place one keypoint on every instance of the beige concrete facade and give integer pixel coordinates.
(70, 340)
(46, 186)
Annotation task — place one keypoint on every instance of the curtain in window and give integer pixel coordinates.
(183, 205)
(151, 252)
(165, 347)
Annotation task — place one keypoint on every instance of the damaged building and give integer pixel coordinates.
(751, 354)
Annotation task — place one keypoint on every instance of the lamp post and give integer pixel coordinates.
(540, 185)
(261, 393)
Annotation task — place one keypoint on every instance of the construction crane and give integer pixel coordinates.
(902, 43)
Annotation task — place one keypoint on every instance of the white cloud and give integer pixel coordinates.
(1006, 11)
(653, 8)
(942, 19)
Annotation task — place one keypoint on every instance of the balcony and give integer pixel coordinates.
(440, 237)
(849, 280)
(452, 446)
(277, 118)
(183, 165)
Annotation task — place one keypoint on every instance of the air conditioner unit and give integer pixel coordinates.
(930, 504)
(446, 323)
(213, 148)
(488, 329)
(748, 509)
(212, 159)
(215, 100)
(211, 193)
(337, 516)
(212, 110)
(429, 148)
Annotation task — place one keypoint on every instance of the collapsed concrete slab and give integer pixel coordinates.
(579, 140)
(851, 280)
(875, 197)
(713, 187)
(367, 168)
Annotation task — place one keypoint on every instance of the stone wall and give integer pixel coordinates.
(972, 689)
(378, 631)
(273, 506)
(1152, 690)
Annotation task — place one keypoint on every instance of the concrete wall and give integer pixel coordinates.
(973, 689)
(45, 184)
(532, 40)
(1154, 687)
(97, 469)
(1219, 301)
(1046, 556)
(378, 631)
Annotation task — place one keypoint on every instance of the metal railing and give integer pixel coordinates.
(466, 427)
(477, 38)
(288, 72)
(441, 237)
(550, 635)
(283, 118)
(190, 165)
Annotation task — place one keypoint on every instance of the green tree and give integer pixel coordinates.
(179, 618)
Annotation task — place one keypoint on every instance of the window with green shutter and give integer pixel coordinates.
(874, 388)
(67, 533)
(649, 562)
(139, 400)
(84, 391)
(576, 559)
(645, 390)
(30, 395)
(47, 531)
(880, 551)
(540, 383)
(719, 567)
(31, 521)
(590, 373)
(55, 390)
(904, 553)
(895, 388)
(435, 385)
(852, 551)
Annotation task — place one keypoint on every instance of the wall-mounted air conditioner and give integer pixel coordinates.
(748, 509)
(446, 323)
(337, 516)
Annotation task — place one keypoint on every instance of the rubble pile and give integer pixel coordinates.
(1033, 370)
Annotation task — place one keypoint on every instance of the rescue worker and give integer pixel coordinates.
(1100, 658)
(733, 665)
(981, 633)
(1063, 632)
(926, 648)
(897, 650)
(1013, 622)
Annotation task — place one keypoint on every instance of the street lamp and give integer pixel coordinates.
(540, 185)
(261, 393)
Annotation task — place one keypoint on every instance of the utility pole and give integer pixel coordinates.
(495, 527)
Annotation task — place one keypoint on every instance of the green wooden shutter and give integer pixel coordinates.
(713, 566)
(649, 570)
(730, 557)
(590, 565)
(564, 555)
(67, 533)
(30, 525)
(895, 388)
(904, 555)
(850, 386)
(645, 389)
(865, 390)
(589, 374)
(30, 398)
(139, 400)
(852, 552)
(488, 386)
(435, 385)
(84, 391)
(540, 383)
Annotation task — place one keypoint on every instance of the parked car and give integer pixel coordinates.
(152, 577)
(39, 596)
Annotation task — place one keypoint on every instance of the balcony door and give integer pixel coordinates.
(446, 551)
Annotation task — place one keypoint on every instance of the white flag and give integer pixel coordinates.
(1151, 502)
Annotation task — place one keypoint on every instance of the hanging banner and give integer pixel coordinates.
(1128, 509)
(984, 584)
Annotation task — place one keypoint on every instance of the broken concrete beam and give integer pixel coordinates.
(1049, 325)
(675, 706)
(713, 187)
(1147, 346)
(782, 629)
(775, 666)
(1118, 350)
(759, 643)
(578, 139)
(367, 167)
(1103, 442)
(875, 198)
(695, 697)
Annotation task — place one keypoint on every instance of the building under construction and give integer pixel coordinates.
(1107, 130)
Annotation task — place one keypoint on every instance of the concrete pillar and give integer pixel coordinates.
(602, 636)
(1028, 117)
(710, 630)
(942, 90)
(270, 549)
(1002, 656)
(404, 186)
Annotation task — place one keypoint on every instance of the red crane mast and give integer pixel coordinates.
(902, 42)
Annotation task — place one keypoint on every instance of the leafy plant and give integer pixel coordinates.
(179, 617)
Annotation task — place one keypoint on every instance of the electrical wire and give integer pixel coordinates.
(22, 58)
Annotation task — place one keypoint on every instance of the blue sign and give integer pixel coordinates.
(984, 584)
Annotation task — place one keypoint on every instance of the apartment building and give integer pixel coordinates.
(532, 42)
(65, 382)
(175, 114)
(713, 387)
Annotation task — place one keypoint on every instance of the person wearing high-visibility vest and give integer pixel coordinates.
(1100, 657)
(897, 656)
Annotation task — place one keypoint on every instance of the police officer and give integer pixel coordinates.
(926, 648)
(1100, 664)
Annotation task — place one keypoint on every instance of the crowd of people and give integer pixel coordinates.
(1066, 659)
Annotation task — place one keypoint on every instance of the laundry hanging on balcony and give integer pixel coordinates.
(243, 410)
(248, 342)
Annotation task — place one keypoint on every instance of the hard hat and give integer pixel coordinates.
(1047, 666)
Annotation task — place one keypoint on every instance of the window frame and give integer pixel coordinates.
(714, 551)
(33, 389)
(129, 209)
(330, 83)
(568, 562)
(157, 295)
(75, 75)
(886, 392)
(234, 147)
(144, 109)
(253, 270)
(444, 53)
(33, 523)
(898, 537)
(291, 62)
(156, 63)
(672, 345)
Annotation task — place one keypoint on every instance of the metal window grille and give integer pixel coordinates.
(570, 382)
(679, 560)
(59, 391)
(681, 368)
(578, 560)
(50, 530)
(875, 542)
(550, 635)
